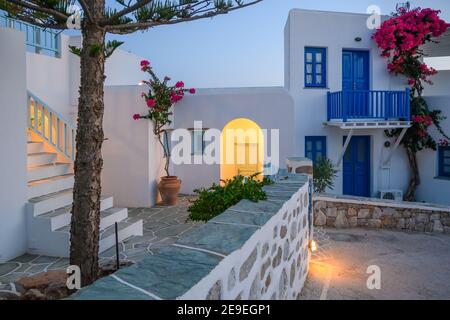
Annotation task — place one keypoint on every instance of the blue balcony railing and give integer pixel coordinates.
(360, 105)
(41, 40)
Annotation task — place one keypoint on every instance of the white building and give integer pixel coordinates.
(337, 101)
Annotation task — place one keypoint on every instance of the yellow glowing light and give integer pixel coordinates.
(313, 246)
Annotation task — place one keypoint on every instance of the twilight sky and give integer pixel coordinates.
(241, 49)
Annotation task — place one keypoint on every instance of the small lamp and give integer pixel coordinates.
(312, 245)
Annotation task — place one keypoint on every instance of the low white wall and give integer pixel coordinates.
(13, 160)
(132, 156)
(270, 108)
(273, 264)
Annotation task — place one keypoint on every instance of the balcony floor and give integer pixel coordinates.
(369, 124)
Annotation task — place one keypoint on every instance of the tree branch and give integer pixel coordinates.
(51, 12)
(43, 25)
(132, 27)
(123, 12)
(86, 10)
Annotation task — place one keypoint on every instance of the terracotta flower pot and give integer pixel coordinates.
(169, 187)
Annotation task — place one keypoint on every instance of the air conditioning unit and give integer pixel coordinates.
(396, 195)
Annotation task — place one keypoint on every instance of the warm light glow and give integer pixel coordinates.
(141, 83)
(242, 149)
(313, 246)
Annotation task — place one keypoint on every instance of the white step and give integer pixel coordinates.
(112, 215)
(127, 229)
(41, 158)
(48, 171)
(35, 147)
(50, 202)
(57, 243)
(60, 218)
(42, 187)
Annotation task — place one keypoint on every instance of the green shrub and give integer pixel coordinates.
(216, 199)
(324, 174)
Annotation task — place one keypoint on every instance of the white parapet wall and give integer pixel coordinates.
(272, 264)
(253, 250)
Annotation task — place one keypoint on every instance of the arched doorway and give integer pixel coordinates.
(242, 149)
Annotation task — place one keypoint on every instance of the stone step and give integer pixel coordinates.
(57, 243)
(42, 187)
(50, 202)
(41, 158)
(48, 171)
(127, 229)
(60, 218)
(35, 147)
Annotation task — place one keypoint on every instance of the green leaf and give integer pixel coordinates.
(75, 50)
(111, 46)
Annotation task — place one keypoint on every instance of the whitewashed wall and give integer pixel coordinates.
(132, 156)
(336, 32)
(13, 160)
(270, 108)
(56, 80)
(273, 264)
(50, 78)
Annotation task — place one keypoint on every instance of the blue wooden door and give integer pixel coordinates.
(355, 81)
(356, 167)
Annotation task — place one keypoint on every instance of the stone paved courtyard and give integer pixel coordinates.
(162, 227)
(412, 265)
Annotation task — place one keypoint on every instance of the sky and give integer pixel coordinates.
(242, 49)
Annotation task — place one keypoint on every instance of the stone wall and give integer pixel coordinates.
(251, 251)
(351, 212)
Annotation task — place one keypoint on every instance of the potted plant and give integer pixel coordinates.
(160, 99)
(324, 174)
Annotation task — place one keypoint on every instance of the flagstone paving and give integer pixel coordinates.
(162, 227)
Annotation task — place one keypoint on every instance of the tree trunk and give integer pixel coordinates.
(88, 163)
(414, 181)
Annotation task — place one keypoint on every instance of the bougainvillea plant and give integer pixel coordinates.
(160, 98)
(400, 38)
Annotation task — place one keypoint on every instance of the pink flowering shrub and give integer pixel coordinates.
(400, 39)
(159, 99)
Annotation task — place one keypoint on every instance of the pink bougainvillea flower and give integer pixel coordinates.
(145, 64)
(411, 82)
(175, 97)
(151, 103)
(136, 116)
(179, 84)
(192, 91)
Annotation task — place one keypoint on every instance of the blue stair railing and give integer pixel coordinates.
(51, 126)
(369, 105)
(42, 40)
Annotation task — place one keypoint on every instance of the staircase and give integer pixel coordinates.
(50, 183)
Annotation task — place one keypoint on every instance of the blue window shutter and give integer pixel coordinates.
(315, 147)
(444, 161)
(315, 67)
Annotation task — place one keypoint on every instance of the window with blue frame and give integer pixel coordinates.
(444, 161)
(315, 148)
(198, 144)
(315, 67)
